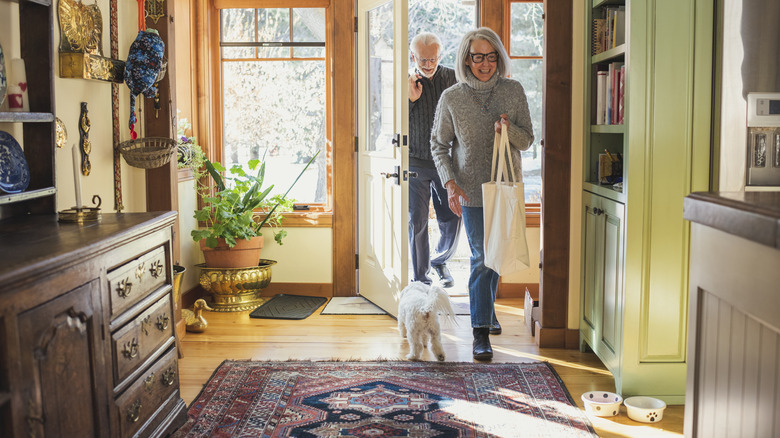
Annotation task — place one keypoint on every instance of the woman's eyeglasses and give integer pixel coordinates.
(479, 57)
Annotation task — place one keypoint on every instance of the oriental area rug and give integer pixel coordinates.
(384, 399)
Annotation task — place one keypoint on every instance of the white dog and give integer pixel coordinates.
(418, 319)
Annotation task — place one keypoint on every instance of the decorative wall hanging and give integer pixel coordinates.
(81, 33)
(85, 145)
(155, 10)
(144, 63)
(114, 37)
(61, 133)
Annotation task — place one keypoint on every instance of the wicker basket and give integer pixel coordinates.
(148, 152)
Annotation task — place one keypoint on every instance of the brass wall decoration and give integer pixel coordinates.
(155, 10)
(84, 144)
(61, 133)
(81, 53)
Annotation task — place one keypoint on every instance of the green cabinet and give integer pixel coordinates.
(634, 241)
(602, 276)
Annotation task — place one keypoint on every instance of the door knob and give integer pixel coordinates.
(389, 175)
(396, 175)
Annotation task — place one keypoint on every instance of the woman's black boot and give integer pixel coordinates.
(482, 349)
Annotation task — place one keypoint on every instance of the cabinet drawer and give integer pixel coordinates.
(135, 279)
(142, 399)
(134, 342)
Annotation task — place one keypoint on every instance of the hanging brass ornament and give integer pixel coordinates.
(154, 10)
(86, 146)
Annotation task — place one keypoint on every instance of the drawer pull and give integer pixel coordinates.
(148, 382)
(162, 322)
(157, 268)
(169, 376)
(124, 287)
(139, 271)
(131, 349)
(134, 411)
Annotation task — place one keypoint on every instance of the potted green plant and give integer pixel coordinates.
(233, 231)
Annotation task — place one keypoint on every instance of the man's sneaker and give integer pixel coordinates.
(444, 275)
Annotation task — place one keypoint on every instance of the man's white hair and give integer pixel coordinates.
(425, 39)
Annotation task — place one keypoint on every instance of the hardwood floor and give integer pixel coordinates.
(369, 337)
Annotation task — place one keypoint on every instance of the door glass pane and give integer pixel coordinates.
(380, 78)
(448, 19)
(527, 29)
(529, 73)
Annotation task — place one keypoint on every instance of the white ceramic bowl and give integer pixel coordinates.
(602, 403)
(645, 409)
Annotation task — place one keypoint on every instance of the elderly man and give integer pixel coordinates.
(425, 87)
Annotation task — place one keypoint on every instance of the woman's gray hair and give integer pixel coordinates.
(483, 33)
(426, 39)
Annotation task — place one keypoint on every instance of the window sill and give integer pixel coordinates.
(185, 174)
(307, 219)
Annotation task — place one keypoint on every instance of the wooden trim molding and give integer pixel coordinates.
(516, 290)
(556, 171)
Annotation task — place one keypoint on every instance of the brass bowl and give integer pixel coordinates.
(236, 289)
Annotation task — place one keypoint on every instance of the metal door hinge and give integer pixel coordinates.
(356, 143)
(356, 24)
(357, 261)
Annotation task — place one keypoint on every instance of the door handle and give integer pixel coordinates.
(409, 174)
(396, 175)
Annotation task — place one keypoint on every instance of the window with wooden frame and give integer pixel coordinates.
(273, 100)
(524, 40)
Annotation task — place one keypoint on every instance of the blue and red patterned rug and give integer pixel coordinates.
(384, 399)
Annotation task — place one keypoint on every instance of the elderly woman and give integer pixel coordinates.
(462, 146)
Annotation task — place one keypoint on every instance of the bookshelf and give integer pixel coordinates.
(634, 243)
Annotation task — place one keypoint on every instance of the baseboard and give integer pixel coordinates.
(556, 337)
(517, 290)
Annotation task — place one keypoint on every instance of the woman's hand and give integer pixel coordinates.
(454, 193)
(504, 119)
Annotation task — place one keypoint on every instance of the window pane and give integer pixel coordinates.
(286, 128)
(238, 52)
(238, 25)
(273, 24)
(529, 73)
(309, 25)
(308, 52)
(527, 29)
(448, 19)
(380, 77)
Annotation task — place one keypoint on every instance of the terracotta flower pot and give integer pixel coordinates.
(245, 254)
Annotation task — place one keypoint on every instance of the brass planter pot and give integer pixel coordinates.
(236, 289)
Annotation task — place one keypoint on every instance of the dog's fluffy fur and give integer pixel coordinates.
(418, 317)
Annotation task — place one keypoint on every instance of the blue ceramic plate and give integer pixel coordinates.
(14, 172)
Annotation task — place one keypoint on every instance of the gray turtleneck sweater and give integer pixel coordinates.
(462, 137)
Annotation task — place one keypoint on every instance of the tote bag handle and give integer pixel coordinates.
(502, 154)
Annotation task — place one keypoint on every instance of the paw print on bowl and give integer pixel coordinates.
(645, 409)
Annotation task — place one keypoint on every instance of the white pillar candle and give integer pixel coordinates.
(77, 175)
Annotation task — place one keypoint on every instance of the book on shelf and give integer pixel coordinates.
(621, 95)
(615, 26)
(599, 35)
(601, 97)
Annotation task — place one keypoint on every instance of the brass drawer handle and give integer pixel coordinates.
(124, 287)
(131, 349)
(162, 322)
(139, 271)
(157, 268)
(134, 411)
(169, 376)
(148, 382)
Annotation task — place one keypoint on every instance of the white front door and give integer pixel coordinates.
(383, 126)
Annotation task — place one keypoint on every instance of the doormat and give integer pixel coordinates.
(351, 306)
(285, 306)
(384, 399)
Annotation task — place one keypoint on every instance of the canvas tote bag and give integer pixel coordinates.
(503, 201)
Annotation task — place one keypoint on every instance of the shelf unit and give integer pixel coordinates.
(634, 240)
(38, 131)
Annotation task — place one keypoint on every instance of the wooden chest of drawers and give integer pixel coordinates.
(87, 343)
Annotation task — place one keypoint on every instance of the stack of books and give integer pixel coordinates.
(609, 31)
(610, 91)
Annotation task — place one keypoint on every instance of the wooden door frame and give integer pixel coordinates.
(551, 329)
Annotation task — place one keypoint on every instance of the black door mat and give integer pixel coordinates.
(285, 306)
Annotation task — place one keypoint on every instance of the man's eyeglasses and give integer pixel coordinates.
(479, 57)
(424, 61)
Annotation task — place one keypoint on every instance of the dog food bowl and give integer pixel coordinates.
(602, 403)
(645, 409)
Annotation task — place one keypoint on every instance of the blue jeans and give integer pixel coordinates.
(425, 186)
(483, 281)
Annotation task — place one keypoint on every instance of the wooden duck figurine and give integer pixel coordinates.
(196, 323)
